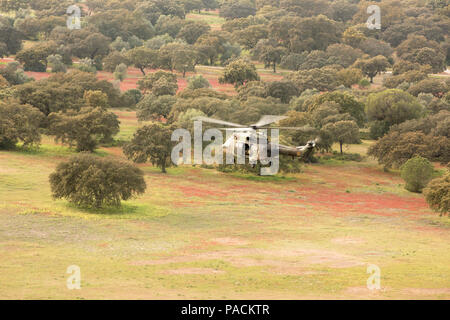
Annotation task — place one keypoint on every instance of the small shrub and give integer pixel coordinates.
(289, 165)
(437, 194)
(364, 83)
(55, 62)
(19, 123)
(90, 181)
(344, 157)
(131, 97)
(3, 82)
(378, 129)
(84, 129)
(198, 82)
(416, 172)
(120, 72)
(87, 65)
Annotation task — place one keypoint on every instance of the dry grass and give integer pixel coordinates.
(197, 233)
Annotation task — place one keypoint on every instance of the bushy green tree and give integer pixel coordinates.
(347, 104)
(152, 10)
(283, 90)
(239, 72)
(178, 56)
(392, 106)
(143, 58)
(312, 33)
(11, 38)
(186, 119)
(3, 82)
(436, 87)
(89, 181)
(159, 83)
(416, 172)
(322, 79)
(85, 128)
(113, 59)
(55, 62)
(349, 76)
(343, 132)
(192, 30)
(372, 66)
(212, 106)
(210, 46)
(151, 143)
(437, 194)
(121, 72)
(237, 9)
(14, 74)
(123, 23)
(35, 57)
(269, 53)
(131, 97)
(418, 49)
(395, 148)
(96, 99)
(87, 65)
(19, 123)
(153, 107)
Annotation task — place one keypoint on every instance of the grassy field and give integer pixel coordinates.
(201, 234)
(198, 233)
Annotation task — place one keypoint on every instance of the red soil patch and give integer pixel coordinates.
(339, 203)
(182, 84)
(192, 191)
(38, 75)
(6, 60)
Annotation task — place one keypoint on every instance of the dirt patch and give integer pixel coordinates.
(428, 292)
(347, 240)
(333, 260)
(194, 271)
(8, 170)
(363, 292)
(283, 261)
(230, 241)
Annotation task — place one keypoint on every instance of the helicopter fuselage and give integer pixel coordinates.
(253, 143)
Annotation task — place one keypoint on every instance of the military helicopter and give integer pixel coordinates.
(246, 137)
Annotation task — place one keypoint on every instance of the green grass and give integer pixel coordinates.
(210, 17)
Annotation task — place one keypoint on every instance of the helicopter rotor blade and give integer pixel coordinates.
(265, 120)
(216, 121)
(305, 128)
(238, 129)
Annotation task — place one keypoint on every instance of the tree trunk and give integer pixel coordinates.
(340, 144)
(274, 67)
(142, 70)
(371, 79)
(163, 167)
(184, 73)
